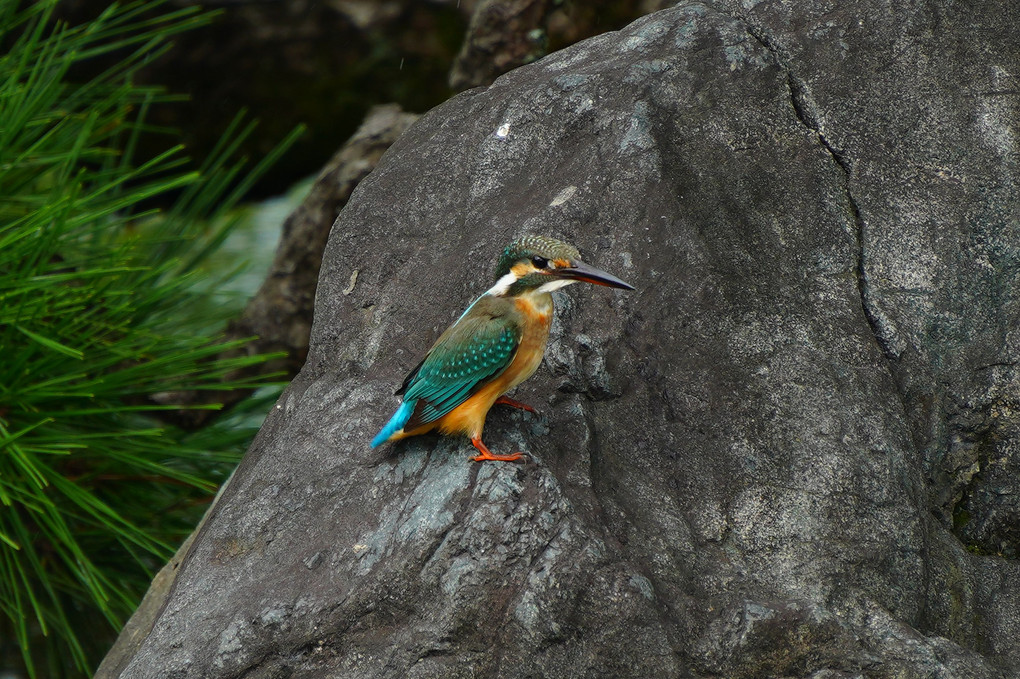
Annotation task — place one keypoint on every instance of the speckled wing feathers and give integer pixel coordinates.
(470, 353)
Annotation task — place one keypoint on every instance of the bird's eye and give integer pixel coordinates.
(539, 262)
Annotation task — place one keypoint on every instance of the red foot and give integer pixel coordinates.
(507, 401)
(487, 455)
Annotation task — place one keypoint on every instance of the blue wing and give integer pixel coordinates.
(475, 349)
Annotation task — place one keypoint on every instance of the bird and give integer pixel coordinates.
(497, 343)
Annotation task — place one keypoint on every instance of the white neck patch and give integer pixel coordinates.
(502, 286)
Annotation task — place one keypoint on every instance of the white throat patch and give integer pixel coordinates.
(555, 285)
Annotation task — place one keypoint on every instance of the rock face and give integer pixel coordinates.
(793, 452)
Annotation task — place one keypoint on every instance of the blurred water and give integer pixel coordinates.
(250, 247)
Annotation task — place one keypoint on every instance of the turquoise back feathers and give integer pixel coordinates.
(478, 347)
(472, 351)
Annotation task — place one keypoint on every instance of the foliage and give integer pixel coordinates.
(102, 320)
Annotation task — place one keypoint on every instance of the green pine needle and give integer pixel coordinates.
(103, 307)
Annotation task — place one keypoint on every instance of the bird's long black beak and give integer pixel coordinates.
(579, 271)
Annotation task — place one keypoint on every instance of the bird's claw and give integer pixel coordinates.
(486, 454)
(507, 401)
(498, 458)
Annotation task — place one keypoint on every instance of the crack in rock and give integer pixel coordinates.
(806, 111)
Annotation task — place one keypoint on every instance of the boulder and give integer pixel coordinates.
(792, 452)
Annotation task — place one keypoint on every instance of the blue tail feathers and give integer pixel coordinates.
(395, 424)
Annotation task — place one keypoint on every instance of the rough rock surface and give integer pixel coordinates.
(791, 453)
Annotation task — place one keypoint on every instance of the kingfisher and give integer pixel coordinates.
(497, 343)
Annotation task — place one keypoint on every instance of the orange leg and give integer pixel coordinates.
(476, 441)
(507, 401)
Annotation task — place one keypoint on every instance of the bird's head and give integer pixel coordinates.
(543, 264)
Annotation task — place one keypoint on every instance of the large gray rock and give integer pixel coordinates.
(792, 452)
